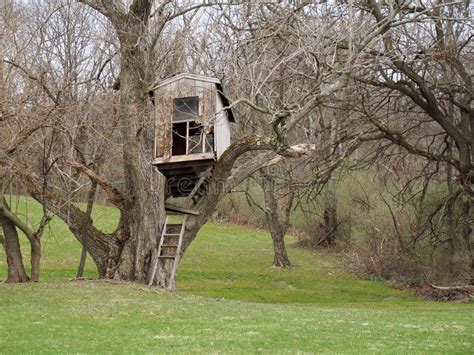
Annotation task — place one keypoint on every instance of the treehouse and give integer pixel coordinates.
(192, 129)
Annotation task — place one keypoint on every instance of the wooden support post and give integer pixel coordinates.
(187, 137)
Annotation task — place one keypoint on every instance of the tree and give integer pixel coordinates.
(422, 72)
(279, 196)
(129, 251)
(9, 221)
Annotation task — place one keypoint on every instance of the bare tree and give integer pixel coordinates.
(313, 43)
(423, 72)
(9, 221)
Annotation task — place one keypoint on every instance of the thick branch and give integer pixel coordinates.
(103, 243)
(262, 161)
(255, 143)
(5, 211)
(113, 195)
(112, 9)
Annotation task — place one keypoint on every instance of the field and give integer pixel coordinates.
(229, 300)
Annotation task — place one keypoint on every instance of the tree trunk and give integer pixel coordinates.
(280, 259)
(143, 218)
(277, 225)
(35, 259)
(450, 221)
(90, 204)
(330, 223)
(466, 243)
(16, 269)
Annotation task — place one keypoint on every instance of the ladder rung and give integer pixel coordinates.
(171, 234)
(169, 245)
(166, 257)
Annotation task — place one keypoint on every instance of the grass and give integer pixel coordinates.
(229, 300)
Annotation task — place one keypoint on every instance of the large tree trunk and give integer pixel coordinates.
(143, 216)
(16, 269)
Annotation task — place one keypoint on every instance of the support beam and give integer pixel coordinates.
(181, 210)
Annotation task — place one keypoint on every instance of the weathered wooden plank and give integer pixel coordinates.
(163, 131)
(178, 209)
(186, 88)
(183, 158)
(209, 107)
(221, 128)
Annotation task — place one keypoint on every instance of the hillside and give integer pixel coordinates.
(229, 300)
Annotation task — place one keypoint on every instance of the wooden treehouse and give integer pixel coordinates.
(192, 130)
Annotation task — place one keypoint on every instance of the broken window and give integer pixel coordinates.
(185, 108)
(190, 137)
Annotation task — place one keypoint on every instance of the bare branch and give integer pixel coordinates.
(113, 195)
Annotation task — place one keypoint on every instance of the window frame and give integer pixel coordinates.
(191, 117)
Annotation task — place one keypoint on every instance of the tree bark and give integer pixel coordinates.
(10, 222)
(450, 222)
(143, 219)
(280, 259)
(90, 204)
(330, 223)
(16, 269)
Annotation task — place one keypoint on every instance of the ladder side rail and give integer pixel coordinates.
(178, 252)
(160, 243)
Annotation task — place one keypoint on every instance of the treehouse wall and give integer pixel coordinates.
(164, 95)
(221, 128)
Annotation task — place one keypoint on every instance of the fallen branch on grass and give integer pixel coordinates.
(468, 289)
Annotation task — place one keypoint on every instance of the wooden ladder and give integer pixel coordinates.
(169, 247)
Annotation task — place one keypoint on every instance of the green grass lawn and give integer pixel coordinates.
(229, 300)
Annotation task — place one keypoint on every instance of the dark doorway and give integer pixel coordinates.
(179, 138)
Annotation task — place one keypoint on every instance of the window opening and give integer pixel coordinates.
(185, 108)
(190, 137)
